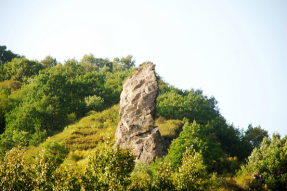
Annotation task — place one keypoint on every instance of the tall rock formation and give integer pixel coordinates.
(137, 114)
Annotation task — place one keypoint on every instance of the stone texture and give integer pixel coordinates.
(137, 114)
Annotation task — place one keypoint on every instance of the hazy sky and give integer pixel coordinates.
(233, 50)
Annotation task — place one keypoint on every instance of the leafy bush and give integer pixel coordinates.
(162, 176)
(192, 174)
(197, 136)
(20, 69)
(270, 160)
(94, 102)
(193, 105)
(109, 168)
(54, 151)
(141, 177)
(14, 173)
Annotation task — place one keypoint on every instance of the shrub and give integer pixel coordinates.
(270, 161)
(140, 177)
(162, 175)
(54, 151)
(109, 168)
(14, 173)
(196, 135)
(192, 173)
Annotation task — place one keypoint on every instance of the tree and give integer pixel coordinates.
(89, 62)
(7, 55)
(42, 172)
(141, 177)
(176, 104)
(192, 173)
(94, 102)
(55, 151)
(109, 168)
(232, 140)
(162, 175)
(51, 100)
(200, 138)
(270, 160)
(125, 63)
(21, 68)
(255, 135)
(170, 105)
(14, 173)
(7, 87)
(49, 62)
(114, 86)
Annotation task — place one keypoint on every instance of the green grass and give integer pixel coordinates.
(83, 136)
(86, 133)
(169, 129)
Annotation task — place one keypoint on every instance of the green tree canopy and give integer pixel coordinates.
(199, 137)
(49, 62)
(20, 69)
(255, 135)
(6, 55)
(271, 161)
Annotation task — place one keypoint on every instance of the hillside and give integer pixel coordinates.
(58, 124)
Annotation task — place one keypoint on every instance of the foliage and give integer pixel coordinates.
(227, 165)
(7, 88)
(169, 129)
(67, 178)
(248, 181)
(55, 151)
(57, 126)
(271, 161)
(176, 104)
(162, 176)
(141, 177)
(18, 172)
(20, 69)
(109, 168)
(48, 101)
(123, 63)
(199, 137)
(89, 62)
(6, 55)
(255, 135)
(14, 174)
(85, 134)
(114, 86)
(173, 103)
(49, 62)
(192, 174)
(93, 102)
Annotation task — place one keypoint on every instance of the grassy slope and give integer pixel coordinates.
(85, 134)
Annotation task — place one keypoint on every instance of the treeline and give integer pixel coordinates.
(38, 99)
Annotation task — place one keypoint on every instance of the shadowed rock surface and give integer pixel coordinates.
(137, 114)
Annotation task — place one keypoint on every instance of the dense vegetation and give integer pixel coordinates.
(57, 125)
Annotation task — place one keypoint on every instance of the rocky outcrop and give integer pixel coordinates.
(137, 114)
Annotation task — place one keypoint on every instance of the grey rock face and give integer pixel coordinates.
(137, 114)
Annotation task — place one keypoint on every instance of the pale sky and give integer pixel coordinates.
(233, 50)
